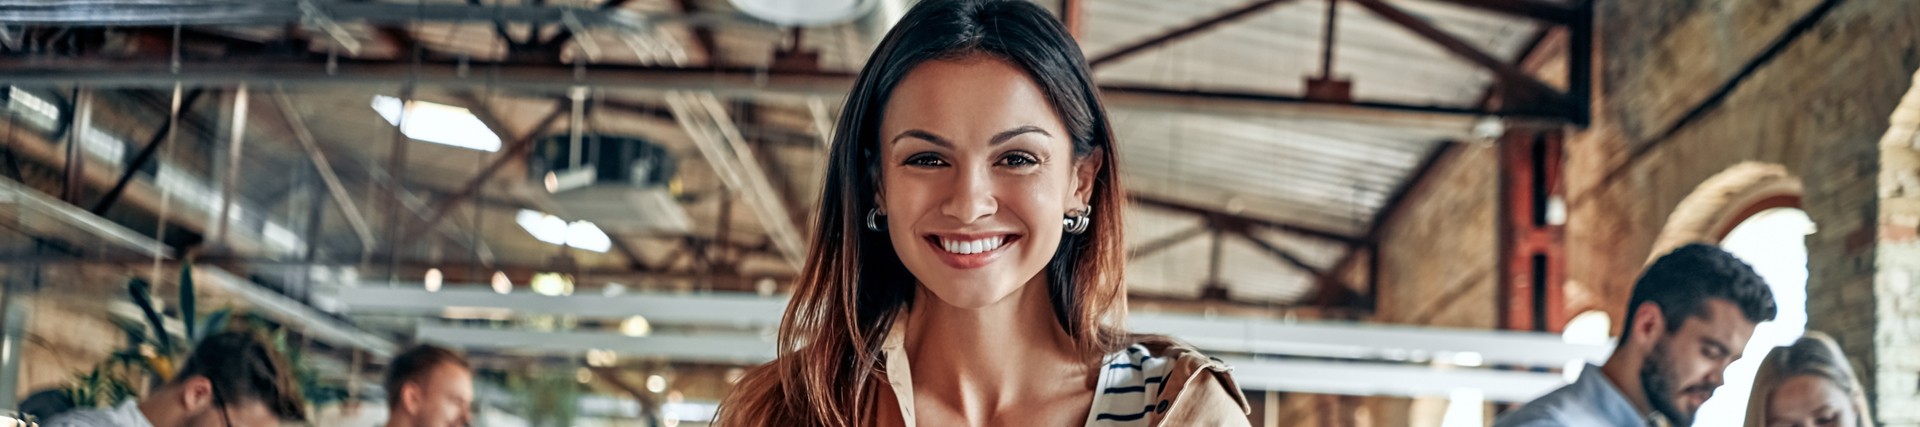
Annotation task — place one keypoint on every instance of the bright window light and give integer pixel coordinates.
(438, 123)
(547, 228)
(585, 235)
(553, 230)
(1774, 242)
(1465, 407)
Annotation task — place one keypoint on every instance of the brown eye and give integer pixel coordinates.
(1019, 160)
(925, 160)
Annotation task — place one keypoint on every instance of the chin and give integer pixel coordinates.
(960, 292)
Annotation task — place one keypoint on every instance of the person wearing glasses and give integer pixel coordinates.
(231, 379)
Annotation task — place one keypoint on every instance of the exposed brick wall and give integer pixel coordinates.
(1439, 253)
(1439, 257)
(1897, 339)
(1817, 109)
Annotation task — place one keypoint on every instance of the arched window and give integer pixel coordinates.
(1773, 241)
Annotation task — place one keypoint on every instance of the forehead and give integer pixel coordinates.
(1719, 318)
(1805, 393)
(447, 374)
(979, 93)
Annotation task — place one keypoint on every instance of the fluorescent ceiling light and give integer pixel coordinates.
(805, 13)
(501, 284)
(585, 235)
(553, 230)
(437, 123)
(552, 284)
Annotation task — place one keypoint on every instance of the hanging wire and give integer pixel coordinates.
(166, 191)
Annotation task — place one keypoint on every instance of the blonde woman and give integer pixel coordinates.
(1807, 384)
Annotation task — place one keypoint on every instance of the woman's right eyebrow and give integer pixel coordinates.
(924, 136)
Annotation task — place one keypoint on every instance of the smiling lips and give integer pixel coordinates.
(969, 251)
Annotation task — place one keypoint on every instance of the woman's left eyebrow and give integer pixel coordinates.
(1007, 135)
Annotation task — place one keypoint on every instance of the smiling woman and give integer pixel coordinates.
(966, 267)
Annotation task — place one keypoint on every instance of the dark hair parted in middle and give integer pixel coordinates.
(853, 283)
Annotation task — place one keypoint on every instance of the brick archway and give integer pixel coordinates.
(1723, 201)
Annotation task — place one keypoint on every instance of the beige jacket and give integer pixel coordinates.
(1199, 390)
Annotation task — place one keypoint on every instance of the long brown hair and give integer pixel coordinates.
(1814, 354)
(846, 297)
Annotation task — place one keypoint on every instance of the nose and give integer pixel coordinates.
(1716, 378)
(970, 197)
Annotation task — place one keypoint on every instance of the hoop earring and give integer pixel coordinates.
(873, 220)
(1076, 224)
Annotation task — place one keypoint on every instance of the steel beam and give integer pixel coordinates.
(514, 152)
(124, 13)
(1530, 9)
(1224, 217)
(712, 130)
(1517, 85)
(725, 82)
(1170, 240)
(348, 209)
(1188, 30)
(161, 136)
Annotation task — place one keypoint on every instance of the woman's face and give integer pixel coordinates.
(1809, 401)
(977, 173)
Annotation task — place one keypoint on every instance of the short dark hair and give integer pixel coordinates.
(243, 368)
(415, 364)
(1682, 281)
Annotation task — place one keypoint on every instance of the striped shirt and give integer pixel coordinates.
(1129, 388)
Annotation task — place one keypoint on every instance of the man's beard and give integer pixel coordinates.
(1656, 379)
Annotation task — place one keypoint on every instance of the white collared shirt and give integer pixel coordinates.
(127, 414)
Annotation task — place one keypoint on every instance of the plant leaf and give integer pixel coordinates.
(142, 294)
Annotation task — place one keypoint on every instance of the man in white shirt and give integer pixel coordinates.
(232, 379)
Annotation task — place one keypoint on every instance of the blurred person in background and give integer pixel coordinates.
(231, 379)
(1689, 317)
(1807, 384)
(429, 386)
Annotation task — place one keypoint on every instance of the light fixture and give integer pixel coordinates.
(552, 284)
(602, 358)
(805, 13)
(765, 286)
(501, 283)
(437, 123)
(636, 326)
(553, 230)
(583, 375)
(656, 383)
(1467, 359)
(585, 235)
(544, 227)
(433, 280)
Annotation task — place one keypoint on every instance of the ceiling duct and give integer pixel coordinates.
(620, 183)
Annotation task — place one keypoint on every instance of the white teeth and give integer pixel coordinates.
(973, 246)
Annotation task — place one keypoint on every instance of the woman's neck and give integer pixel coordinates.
(991, 358)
